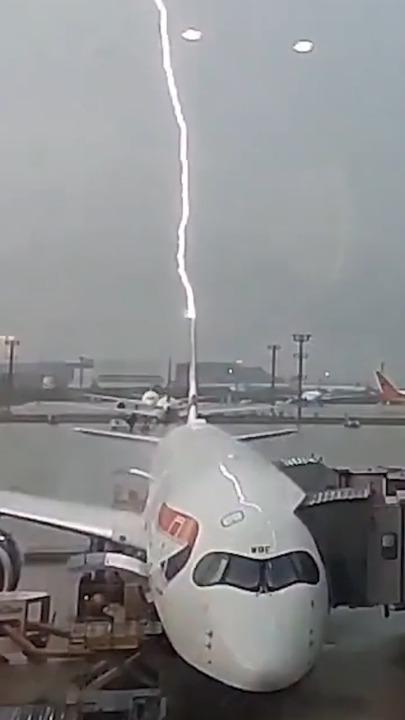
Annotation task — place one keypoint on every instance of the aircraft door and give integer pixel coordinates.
(385, 556)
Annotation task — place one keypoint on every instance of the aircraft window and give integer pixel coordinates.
(291, 568)
(256, 575)
(243, 573)
(280, 573)
(307, 568)
(210, 569)
(177, 562)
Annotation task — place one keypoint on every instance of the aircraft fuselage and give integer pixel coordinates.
(235, 575)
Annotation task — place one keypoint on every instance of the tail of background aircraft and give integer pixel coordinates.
(192, 379)
(389, 392)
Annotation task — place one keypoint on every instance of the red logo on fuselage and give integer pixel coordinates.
(179, 526)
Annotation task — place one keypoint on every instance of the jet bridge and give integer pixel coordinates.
(357, 518)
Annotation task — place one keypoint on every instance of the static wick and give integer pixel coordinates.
(183, 157)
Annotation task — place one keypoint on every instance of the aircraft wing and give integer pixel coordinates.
(151, 439)
(155, 412)
(111, 398)
(235, 410)
(120, 526)
(249, 437)
(133, 405)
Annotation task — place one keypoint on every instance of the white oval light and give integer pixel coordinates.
(192, 34)
(303, 46)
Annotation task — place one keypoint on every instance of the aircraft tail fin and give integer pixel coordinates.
(169, 380)
(192, 414)
(389, 392)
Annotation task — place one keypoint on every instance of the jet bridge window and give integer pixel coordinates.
(389, 546)
(256, 575)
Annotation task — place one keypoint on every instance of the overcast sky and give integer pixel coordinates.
(297, 172)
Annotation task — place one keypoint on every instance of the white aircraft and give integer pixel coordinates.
(165, 408)
(308, 396)
(312, 395)
(233, 573)
(318, 397)
(150, 401)
(243, 572)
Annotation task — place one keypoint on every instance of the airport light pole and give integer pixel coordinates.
(303, 46)
(301, 339)
(82, 364)
(10, 342)
(273, 350)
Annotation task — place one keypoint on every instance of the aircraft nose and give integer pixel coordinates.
(261, 645)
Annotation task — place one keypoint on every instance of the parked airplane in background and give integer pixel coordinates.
(149, 400)
(334, 395)
(164, 409)
(312, 397)
(154, 403)
(152, 406)
(390, 394)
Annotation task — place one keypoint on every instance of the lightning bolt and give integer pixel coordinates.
(238, 488)
(185, 194)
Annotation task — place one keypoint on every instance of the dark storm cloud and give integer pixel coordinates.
(297, 179)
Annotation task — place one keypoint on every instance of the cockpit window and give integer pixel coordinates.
(242, 572)
(211, 568)
(175, 563)
(291, 568)
(256, 575)
(280, 572)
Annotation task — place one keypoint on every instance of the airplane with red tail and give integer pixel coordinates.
(390, 394)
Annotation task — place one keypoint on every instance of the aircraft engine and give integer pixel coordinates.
(150, 397)
(10, 562)
(163, 403)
